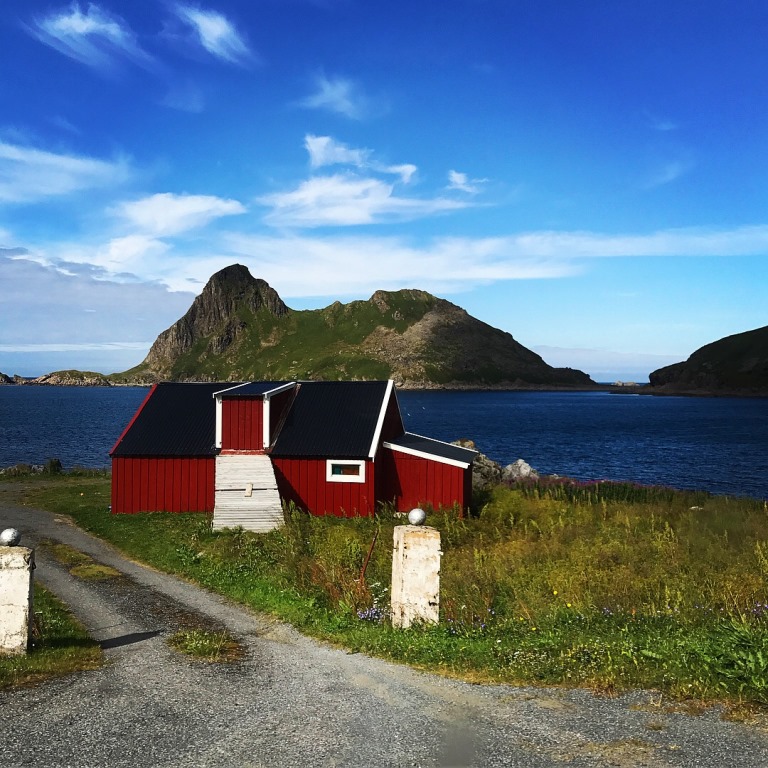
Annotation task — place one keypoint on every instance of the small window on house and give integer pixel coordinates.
(345, 471)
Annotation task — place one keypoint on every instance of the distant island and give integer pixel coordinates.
(735, 365)
(239, 329)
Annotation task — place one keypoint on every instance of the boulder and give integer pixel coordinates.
(519, 470)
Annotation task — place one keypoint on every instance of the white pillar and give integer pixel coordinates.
(415, 576)
(16, 565)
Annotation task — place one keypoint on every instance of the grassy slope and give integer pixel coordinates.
(326, 344)
(606, 586)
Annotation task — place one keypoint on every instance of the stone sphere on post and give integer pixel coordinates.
(10, 537)
(417, 516)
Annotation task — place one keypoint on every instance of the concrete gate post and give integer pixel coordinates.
(415, 576)
(16, 566)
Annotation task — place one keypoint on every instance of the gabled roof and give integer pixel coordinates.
(174, 420)
(339, 419)
(427, 448)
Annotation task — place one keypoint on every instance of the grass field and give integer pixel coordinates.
(605, 585)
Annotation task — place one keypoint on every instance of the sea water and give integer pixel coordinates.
(714, 444)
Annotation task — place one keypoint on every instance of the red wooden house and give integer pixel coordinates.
(241, 450)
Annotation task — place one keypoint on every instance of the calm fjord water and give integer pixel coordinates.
(714, 444)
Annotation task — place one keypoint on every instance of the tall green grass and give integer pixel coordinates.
(605, 585)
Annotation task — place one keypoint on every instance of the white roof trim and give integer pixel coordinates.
(229, 389)
(429, 456)
(266, 420)
(277, 390)
(443, 442)
(267, 394)
(380, 422)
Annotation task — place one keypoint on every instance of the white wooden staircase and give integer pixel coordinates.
(246, 493)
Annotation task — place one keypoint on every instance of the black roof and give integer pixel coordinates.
(437, 448)
(177, 420)
(332, 419)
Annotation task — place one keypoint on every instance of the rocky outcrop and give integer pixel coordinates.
(487, 473)
(734, 365)
(70, 379)
(5, 379)
(213, 320)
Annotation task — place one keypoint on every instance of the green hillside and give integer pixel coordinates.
(239, 329)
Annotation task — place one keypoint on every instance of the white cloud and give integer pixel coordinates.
(357, 266)
(406, 171)
(105, 345)
(93, 37)
(216, 34)
(462, 183)
(168, 214)
(338, 95)
(324, 150)
(743, 241)
(28, 174)
(346, 199)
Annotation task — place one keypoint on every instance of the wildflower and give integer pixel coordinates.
(554, 592)
(567, 605)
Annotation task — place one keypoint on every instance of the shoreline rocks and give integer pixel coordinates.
(487, 474)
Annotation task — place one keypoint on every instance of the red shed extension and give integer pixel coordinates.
(337, 448)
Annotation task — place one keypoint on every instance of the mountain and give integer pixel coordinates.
(734, 365)
(239, 329)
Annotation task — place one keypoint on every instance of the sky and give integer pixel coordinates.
(590, 176)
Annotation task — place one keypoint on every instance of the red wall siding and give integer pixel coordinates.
(166, 484)
(410, 481)
(242, 424)
(303, 482)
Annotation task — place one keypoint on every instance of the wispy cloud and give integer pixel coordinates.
(357, 196)
(668, 173)
(167, 214)
(325, 151)
(216, 34)
(344, 265)
(339, 95)
(462, 183)
(28, 174)
(347, 199)
(742, 241)
(93, 37)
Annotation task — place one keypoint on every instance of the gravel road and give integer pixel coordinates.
(294, 702)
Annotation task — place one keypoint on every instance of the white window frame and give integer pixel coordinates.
(331, 478)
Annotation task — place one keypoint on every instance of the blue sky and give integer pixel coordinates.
(591, 177)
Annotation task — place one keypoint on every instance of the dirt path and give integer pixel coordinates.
(294, 702)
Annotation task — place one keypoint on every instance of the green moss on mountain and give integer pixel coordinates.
(239, 329)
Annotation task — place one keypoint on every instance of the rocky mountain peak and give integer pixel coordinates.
(214, 316)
